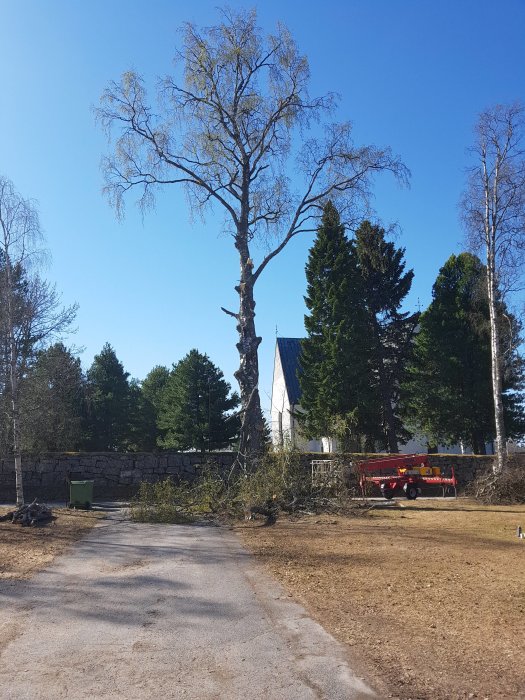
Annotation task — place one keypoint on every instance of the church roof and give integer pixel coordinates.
(289, 352)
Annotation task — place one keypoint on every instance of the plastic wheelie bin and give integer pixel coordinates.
(80, 494)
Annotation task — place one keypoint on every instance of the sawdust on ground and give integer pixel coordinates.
(429, 595)
(25, 550)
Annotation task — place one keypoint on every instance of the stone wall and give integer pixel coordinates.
(117, 475)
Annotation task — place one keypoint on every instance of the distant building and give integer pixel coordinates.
(286, 404)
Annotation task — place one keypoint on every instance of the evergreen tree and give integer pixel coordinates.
(194, 406)
(449, 387)
(142, 435)
(151, 389)
(385, 286)
(335, 356)
(53, 402)
(154, 384)
(109, 403)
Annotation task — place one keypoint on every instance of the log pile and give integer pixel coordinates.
(30, 514)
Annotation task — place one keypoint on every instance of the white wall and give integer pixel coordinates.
(281, 427)
(285, 428)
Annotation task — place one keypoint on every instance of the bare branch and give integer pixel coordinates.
(230, 313)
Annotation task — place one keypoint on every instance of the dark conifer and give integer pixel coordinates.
(109, 403)
(449, 388)
(194, 407)
(334, 379)
(385, 286)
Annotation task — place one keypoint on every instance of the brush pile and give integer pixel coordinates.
(507, 488)
(30, 514)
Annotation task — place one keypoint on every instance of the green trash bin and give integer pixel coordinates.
(81, 494)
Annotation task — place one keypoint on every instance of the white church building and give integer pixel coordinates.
(286, 404)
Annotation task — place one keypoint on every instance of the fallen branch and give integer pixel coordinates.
(30, 514)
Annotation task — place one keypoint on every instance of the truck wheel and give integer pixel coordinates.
(411, 492)
(388, 494)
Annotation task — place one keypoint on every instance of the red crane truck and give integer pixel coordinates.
(405, 473)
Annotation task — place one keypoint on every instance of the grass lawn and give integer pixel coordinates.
(428, 595)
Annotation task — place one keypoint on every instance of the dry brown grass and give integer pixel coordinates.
(430, 596)
(25, 550)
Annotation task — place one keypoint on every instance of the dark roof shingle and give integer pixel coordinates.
(290, 352)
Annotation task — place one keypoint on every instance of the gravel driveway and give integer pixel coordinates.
(163, 611)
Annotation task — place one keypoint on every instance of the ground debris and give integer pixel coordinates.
(30, 514)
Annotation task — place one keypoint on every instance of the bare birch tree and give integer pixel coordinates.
(228, 132)
(30, 307)
(493, 211)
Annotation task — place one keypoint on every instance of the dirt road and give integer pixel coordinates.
(148, 611)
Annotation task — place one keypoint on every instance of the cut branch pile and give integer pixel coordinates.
(30, 514)
(501, 489)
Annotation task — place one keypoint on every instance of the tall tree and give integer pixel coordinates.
(53, 402)
(152, 389)
(385, 286)
(143, 433)
(335, 356)
(448, 393)
(155, 383)
(109, 402)
(31, 315)
(14, 281)
(227, 132)
(493, 210)
(195, 406)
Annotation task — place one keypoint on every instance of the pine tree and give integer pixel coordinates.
(449, 387)
(334, 379)
(385, 286)
(194, 407)
(109, 403)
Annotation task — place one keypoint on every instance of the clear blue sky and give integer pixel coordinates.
(412, 74)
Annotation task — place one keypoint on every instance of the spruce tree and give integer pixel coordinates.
(334, 378)
(109, 403)
(151, 390)
(195, 406)
(142, 435)
(448, 392)
(385, 286)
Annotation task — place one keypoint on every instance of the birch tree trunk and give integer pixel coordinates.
(30, 305)
(497, 384)
(491, 215)
(13, 381)
(494, 214)
(250, 438)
